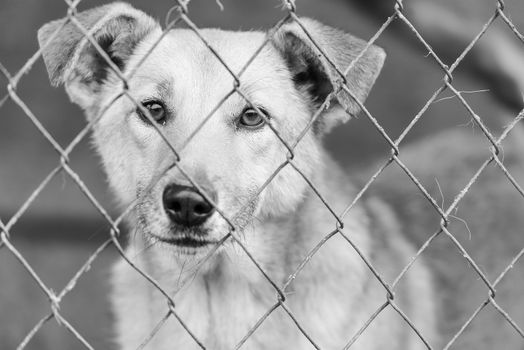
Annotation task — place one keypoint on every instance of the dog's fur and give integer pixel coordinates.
(335, 293)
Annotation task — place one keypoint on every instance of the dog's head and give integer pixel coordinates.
(227, 148)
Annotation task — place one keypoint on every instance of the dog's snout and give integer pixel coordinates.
(186, 206)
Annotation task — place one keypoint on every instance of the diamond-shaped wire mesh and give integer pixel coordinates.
(180, 13)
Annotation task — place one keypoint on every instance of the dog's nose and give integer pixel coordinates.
(185, 206)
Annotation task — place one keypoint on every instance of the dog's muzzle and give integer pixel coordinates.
(185, 206)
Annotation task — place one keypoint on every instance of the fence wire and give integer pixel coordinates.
(180, 13)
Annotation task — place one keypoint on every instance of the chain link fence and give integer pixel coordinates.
(180, 13)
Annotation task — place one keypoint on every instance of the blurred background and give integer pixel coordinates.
(61, 228)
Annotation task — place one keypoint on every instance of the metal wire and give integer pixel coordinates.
(180, 13)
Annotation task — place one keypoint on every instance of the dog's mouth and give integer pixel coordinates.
(187, 241)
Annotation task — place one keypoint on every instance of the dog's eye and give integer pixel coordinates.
(251, 119)
(157, 111)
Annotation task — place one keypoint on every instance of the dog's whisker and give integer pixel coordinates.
(144, 249)
(181, 273)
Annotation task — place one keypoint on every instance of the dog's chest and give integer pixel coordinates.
(222, 315)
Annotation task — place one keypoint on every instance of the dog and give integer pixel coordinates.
(228, 219)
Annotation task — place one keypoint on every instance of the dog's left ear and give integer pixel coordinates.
(315, 76)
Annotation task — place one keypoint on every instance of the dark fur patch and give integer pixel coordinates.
(307, 70)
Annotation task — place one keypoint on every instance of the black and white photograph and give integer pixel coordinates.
(262, 175)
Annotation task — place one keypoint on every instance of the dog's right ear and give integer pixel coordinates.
(71, 59)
